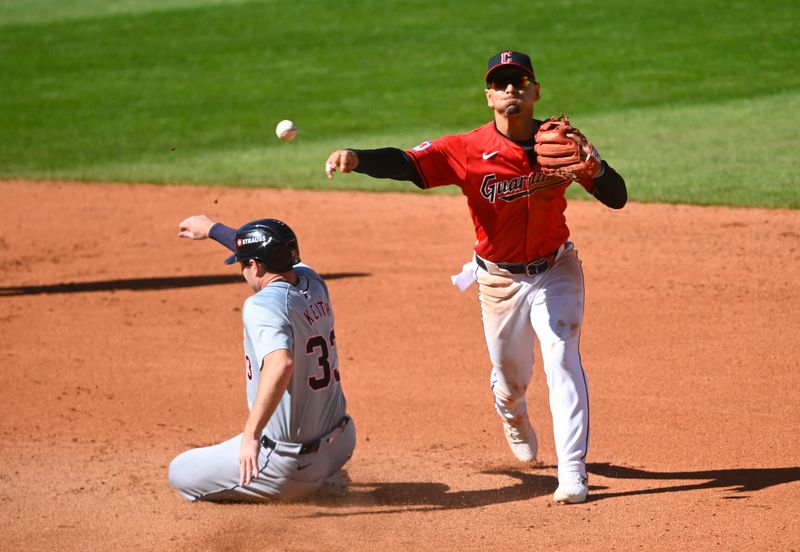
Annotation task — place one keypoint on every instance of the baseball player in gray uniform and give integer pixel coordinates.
(297, 435)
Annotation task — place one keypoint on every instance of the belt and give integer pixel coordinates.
(531, 268)
(311, 446)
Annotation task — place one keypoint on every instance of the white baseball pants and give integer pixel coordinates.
(516, 309)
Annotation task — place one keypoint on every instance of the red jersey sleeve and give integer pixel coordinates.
(440, 162)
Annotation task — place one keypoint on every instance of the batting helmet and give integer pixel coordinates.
(270, 242)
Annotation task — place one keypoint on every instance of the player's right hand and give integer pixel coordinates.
(195, 227)
(248, 459)
(344, 160)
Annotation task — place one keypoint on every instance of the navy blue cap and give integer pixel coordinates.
(510, 58)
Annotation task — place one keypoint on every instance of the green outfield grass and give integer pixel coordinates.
(693, 102)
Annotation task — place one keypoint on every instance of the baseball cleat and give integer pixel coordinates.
(572, 489)
(522, 440)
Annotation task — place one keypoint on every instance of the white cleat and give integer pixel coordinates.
(522, 440)
(572, 489)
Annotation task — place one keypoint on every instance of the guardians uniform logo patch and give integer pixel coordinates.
(517, 187)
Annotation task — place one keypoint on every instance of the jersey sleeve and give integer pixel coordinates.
(440, 162)
(268, 329)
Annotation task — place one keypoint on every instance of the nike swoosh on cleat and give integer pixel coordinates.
(490, 155)
(302, 467)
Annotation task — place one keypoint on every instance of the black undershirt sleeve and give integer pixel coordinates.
(224, 235)
(387, 163)
(610, 188)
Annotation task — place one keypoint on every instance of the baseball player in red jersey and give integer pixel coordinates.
(529, 277)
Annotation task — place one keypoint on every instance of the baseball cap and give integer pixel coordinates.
(510, 58)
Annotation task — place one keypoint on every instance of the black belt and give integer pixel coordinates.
(531, 268)
(311, 446)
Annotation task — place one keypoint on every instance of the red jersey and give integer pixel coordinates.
(518, 213)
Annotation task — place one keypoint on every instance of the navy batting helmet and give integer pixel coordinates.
(268, 241)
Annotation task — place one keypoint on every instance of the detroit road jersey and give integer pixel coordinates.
(518, 213)
(311, 412)
(297, 318)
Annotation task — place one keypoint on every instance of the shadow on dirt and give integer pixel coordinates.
(435, 496)
(427, 497)
(738, 480)
(146, 284)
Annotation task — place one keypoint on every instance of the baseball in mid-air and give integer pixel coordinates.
(286, 130)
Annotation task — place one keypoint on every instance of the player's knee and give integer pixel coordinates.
(507, 392)
(565, 330)
(180, 478)
(508, 381)
(561, 351)
(176, 475)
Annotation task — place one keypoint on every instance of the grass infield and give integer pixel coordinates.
(693, 102)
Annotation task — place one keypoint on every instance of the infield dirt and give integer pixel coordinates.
(121, 346)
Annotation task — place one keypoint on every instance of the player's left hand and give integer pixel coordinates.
(248, 460)
(562, 150)
(590, 155)
(195, 227)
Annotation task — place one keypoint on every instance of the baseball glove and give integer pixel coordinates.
(561, 150)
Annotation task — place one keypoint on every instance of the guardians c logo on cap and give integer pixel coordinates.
(510, 58)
